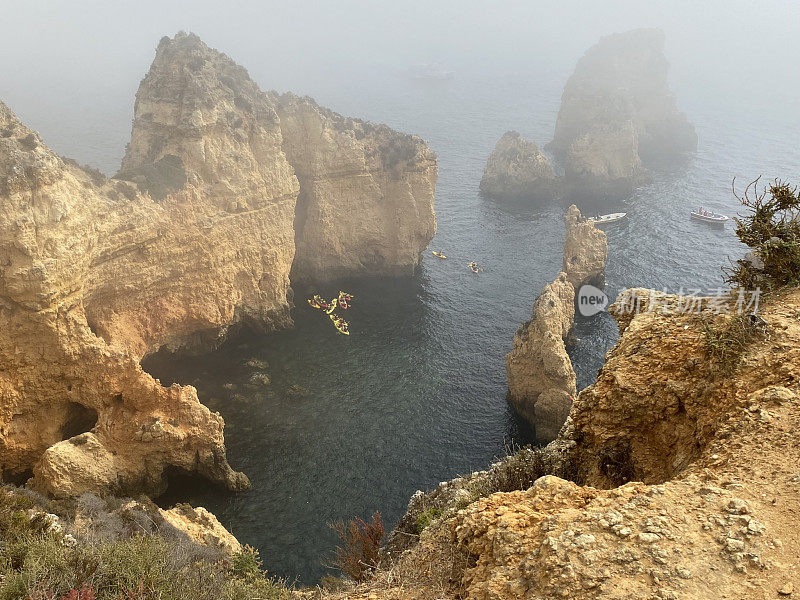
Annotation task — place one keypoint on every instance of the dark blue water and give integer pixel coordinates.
(416, 394)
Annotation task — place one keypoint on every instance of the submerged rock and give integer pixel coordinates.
(297, 391)
(256, 363)
(517, 169)
(259, 380)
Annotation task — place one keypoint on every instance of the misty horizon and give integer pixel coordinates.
(55, 71)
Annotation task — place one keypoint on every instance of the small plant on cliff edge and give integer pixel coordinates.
(361, 542)
(772, 229)
(425, 519)
(726, 343)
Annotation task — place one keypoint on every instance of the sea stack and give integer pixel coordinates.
(518, 170)
(617, 113)
(541, 380)
(585, 251)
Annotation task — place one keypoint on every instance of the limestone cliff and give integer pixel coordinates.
(226, 245)
(75, 409)
(541, 380)
(517, 169)
(195, 234)
(366, 193)
(692, 468)
(623, 78)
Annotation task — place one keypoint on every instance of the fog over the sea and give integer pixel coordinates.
(71, 69)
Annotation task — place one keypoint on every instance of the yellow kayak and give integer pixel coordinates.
(318, 302)
(438, 254)
(340, 324)
(331, 307)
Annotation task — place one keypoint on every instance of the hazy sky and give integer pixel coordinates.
(58, 55)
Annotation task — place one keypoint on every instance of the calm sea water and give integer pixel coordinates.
(416, 394)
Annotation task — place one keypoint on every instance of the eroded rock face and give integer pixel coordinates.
(541, 380)
(196, 234)
(202, 527)
(624, 78)
(657, 399)
(366, 193)
(517, 169)
(604, 161)
(585, 251)
(717, 450)
(75, 408)
(223, 252)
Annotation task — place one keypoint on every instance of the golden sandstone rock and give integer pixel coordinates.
(195, 235)
(688, 475)
(541, 380)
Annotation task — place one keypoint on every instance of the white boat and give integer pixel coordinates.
(708, 217)
(600, 220)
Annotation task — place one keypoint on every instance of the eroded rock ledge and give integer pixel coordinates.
(197, 233)
(541, 380)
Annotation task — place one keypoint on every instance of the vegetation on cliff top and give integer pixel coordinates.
(117, 553)
(772, 229)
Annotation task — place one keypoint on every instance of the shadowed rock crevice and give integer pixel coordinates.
(79, 419)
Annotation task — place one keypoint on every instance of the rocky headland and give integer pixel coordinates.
(224, 194)
(541, 379)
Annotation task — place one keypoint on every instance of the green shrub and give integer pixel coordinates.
(772, 229)
(247, 563)
(113, 562)
(425, 519)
